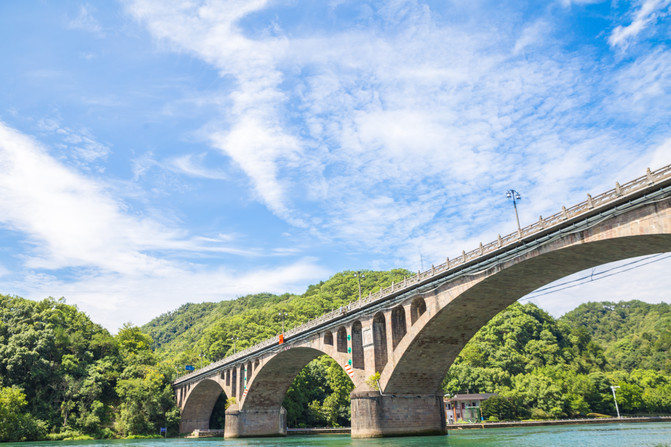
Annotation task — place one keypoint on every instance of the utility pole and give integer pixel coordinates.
(359, 275)
(282, 315)
(612, 387)
(512, 194)
(235, 339)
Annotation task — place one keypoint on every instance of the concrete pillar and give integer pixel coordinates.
(255, 423)
(375, 415)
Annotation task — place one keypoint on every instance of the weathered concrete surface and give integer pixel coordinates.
(197, 410)
(255, 423)
(375, 415)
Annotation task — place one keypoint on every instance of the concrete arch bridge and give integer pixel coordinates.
(411, 332)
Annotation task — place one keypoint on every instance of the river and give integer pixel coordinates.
(655, 434)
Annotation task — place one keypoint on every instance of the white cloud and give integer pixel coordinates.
(70, 220)
(369, 136)
(74, 223)
(567, 3)
(86, 21)
(650, 283)
(661, 155)
(112, 299)
(192, 165)
(77, 145)
(648, 13)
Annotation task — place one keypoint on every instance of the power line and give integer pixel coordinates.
(595, 277)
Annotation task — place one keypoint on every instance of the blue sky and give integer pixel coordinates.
(157, 152)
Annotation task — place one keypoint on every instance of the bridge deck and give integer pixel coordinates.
(637, 189)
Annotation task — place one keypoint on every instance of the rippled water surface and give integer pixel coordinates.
(655, 434)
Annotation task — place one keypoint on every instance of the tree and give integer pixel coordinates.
(15, 424)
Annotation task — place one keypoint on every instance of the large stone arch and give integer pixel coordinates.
(260, 412)
(199, 405)
(464, 305)
(272, 380)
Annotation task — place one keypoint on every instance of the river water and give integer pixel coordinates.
(654, 434)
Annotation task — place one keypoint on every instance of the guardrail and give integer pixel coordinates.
(601, 200)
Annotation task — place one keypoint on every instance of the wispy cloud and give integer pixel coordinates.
(386, 134)
(114, 298)
(86, 21)
(192, 165)
(74, 223)
(647, 14)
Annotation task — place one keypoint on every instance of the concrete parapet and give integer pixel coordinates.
(255, 423)
(377, 415)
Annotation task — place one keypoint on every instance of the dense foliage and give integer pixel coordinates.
(319, 396)
(63, 375)
(547, 368)
(634, 334)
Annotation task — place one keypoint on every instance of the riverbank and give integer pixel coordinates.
(319, 431)
(453, 427)
(613, 420)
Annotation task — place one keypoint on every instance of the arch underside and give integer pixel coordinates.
(199, 405)
(426, 358)
(272, 381)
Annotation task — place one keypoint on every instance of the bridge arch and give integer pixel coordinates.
(199, 404)
(274, 378)
(468, 303)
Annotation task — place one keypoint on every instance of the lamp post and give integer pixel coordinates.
(613, 387)
(359, 275)
(512, 194)
(235, 339)
(282, 315)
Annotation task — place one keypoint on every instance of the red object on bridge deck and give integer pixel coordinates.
(281, 338)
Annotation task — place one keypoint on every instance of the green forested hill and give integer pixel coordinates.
(63, 376)
(633, 334)
(542, 367)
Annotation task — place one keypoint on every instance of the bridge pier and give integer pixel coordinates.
(376, 415)
(255, 423)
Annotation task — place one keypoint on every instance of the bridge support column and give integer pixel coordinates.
(255, 423)
(377, 415)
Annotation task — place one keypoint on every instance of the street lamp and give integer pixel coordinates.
(282, 315)
(359, 275)
(612, 387)
(234, 339)
(512, 194)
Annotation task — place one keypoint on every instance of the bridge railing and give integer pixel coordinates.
(650, 178)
